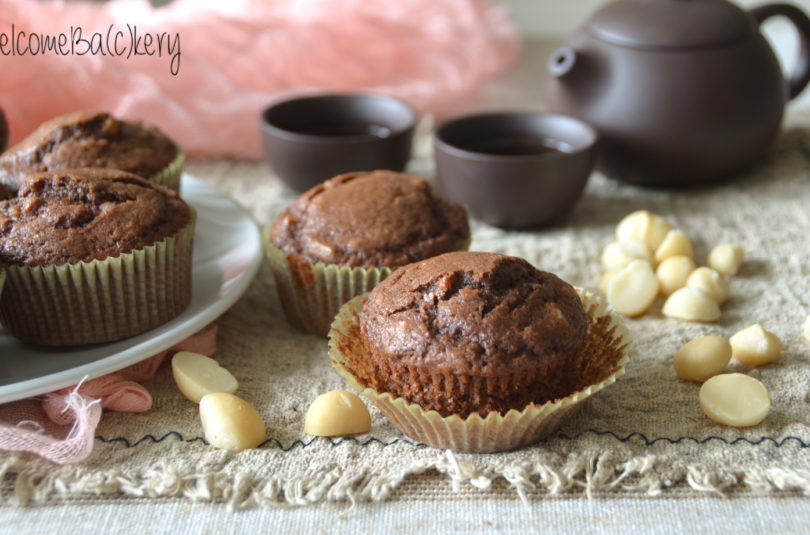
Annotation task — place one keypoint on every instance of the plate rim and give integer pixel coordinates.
(91, 370)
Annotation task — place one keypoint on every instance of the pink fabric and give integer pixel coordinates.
(28, 425)
(237, 56)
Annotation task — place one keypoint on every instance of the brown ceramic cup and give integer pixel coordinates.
(310, 139)
(515, 169)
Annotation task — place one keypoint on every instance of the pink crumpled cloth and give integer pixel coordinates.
(39, 425)
(237, 56)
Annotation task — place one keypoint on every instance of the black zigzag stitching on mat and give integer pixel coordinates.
(678, 440)
(271, 441)
(634, 435)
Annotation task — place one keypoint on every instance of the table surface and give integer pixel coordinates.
(433, 512)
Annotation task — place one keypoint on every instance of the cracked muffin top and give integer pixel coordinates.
(79, 215)
(474, 332)
(87, 139)
(379, 218)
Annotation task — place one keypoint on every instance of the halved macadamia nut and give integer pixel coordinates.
(691, 304)
(645, 227)
(620, 253)
(673, 273)
(337, 413)
(726, 259)
(735, 399)
(755, 346)
(675, 243)
(702, 358)
(633, 289)
(711, 282)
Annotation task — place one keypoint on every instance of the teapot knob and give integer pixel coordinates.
(562, 61)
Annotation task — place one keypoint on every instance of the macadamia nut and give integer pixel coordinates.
(620, 253)
(645, 227)
(633, 289)
(726, 259)
(735, 399)
(691, 304)
(231, 423)
(197, 375)
(673, 273)
(337, 413)
(711, 282)
(702, 358)
(675, 243)
(755, 346)
(606, 276)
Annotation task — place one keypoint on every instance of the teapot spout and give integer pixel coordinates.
(561, 62)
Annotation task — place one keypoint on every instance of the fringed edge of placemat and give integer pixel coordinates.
(26, 483)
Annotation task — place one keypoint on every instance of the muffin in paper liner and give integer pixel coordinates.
(602, 360)
(169, 176)
(100, 300)
(312, 294)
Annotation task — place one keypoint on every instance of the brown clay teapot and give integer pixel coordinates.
(682, 91)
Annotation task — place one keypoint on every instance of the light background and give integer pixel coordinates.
(561, 17)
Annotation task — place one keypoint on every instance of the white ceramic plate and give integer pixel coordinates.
(227, 254)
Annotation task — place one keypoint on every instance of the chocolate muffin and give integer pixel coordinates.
(93, 255)
(65, 217)
(92, 139)
(342, 237)
(379, 218)
(466, 332)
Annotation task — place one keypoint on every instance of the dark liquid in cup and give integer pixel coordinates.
(519, 146)
(345, 130)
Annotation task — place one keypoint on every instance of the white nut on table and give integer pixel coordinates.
(197, 375)
(691, 304)
(673, 273)
(619, 254)
(755, 346)
(726, 258)
(606, 276)
(231, 423)
(702, 358)
(337, 413)
(675, 243)
(711, 282)
(645, 227)
(735, 399)
(633, 289)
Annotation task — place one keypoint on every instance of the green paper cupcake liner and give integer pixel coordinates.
(170, 175)
(312, 294)
(101, 300)
(602, 358)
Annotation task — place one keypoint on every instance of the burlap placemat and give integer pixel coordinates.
(645, 434)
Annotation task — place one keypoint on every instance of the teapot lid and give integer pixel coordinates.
(670, 23)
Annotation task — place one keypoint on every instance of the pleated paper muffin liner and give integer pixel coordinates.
(312, 293)
(169, 176)
(601, 361)
(101, 300)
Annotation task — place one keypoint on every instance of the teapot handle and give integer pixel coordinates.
(800, 76)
